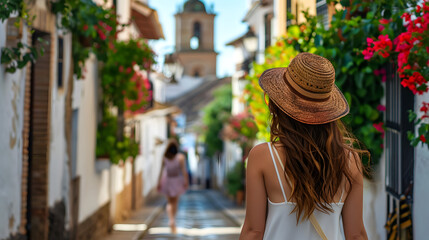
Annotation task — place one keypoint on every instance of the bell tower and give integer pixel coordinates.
(195, 40)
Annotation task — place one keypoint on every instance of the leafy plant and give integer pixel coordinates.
(242, 129)
(124, 88)
(235, 179)
(94, 29)
(109, 145)
(215, 115)
(423, 126)
(17, 57)
(119, 77)
(7, 7)
(404, 40)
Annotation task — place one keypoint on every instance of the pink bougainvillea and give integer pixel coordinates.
(409, 49)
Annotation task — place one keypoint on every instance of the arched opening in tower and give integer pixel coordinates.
(195, 42)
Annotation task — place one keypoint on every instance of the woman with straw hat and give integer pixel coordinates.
(300, 183)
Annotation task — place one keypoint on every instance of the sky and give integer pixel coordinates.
(228, 26)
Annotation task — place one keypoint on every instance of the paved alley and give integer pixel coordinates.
(198, 217)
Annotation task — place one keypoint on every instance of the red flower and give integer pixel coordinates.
(250, 124)
(85, 27)
(368, 53)
(422, 138)
(101, 34)
(384, 21)
(379, 128)
(381, 108)
(406, 16)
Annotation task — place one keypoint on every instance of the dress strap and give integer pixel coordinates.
(281, 164)
(342, 194)
(277, 171)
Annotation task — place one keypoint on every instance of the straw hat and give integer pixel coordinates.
(306, 90)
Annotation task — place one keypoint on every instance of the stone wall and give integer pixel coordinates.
(95, 226)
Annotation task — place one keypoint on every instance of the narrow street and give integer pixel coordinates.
(197, 218)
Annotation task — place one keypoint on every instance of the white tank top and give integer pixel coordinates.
(281, 223)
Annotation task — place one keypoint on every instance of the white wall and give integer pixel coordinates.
(12, 88)
(374, 204)
(421, 180)
(184, 85)
(258, 24)
(159, 87)
(59, 175)
(94, 186)
(153, 125)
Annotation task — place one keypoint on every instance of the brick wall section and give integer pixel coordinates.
(39, 138)
(123, 204)
(138, 191)
(25, 134)
(96, 226)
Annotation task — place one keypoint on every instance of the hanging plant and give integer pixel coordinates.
(126, 89)
(242, 129)
(120, 77)
(93, 27)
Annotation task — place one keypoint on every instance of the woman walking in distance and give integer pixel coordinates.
(308, 175)
(173, 180)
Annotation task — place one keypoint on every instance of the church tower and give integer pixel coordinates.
(195, 40)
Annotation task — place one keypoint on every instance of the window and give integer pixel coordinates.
(60, 63)
(322, 11)
(195, 42)
(288, 12)
(196, 73)
(399, 152)
(267, 23)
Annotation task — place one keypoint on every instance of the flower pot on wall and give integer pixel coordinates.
(239, 197)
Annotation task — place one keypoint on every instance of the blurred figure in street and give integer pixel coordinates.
(173, 180)
(300, 183)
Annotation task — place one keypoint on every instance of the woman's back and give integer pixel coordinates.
(172, 166)
(318, 155)
(280, 219)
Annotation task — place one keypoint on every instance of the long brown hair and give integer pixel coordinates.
(172, 149)
(318, 159)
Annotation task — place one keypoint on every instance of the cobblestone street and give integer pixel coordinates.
(198, 217)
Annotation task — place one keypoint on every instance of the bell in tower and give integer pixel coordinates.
(195, 40)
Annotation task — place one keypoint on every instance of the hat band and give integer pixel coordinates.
(303, 92)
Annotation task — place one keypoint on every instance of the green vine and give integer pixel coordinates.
(215, 115)
(7, 7)
(17, 57)
(108, 145)
(124, 88)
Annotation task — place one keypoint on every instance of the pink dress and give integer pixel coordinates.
(172, 181)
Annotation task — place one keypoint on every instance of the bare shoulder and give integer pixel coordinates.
(181, 157)
(355, 166)
(258, 154)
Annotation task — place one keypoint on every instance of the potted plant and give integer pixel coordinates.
(235, 182)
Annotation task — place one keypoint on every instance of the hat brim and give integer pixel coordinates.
(299, 108)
